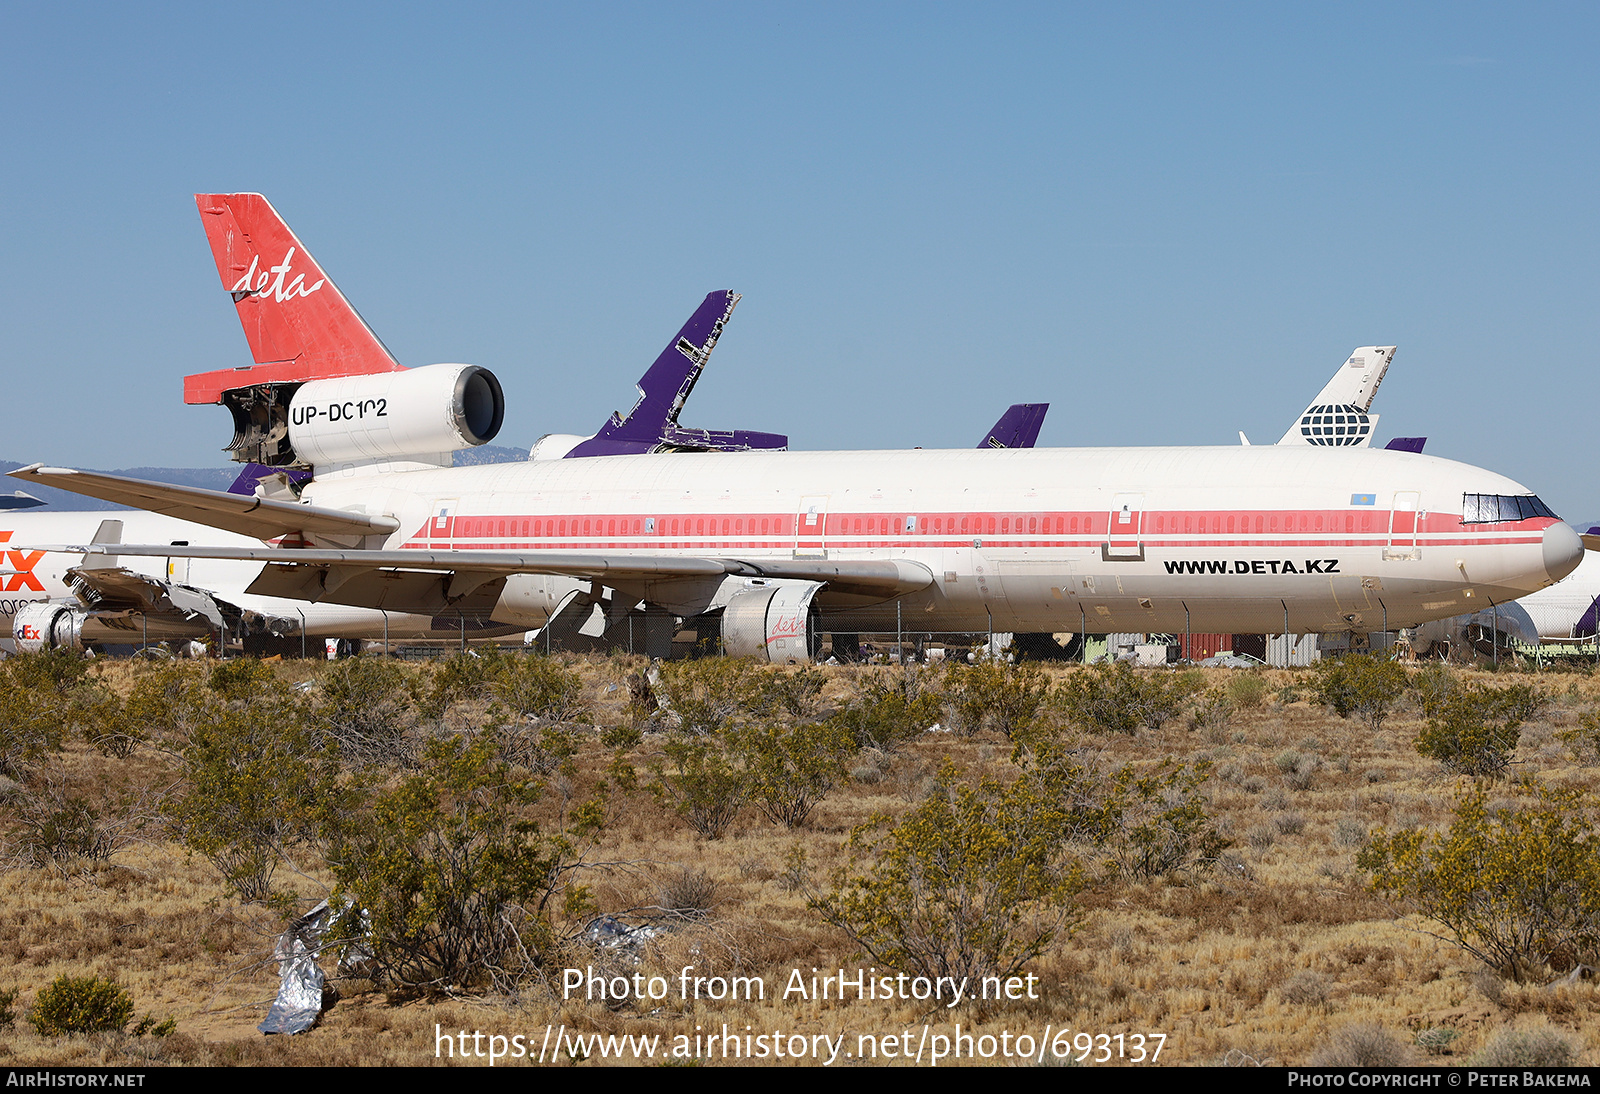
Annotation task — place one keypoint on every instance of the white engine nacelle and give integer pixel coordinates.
(418, 412)
(45, 626)
(777, 624)
(554, 446)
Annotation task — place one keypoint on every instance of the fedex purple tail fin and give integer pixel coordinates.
(1018, 427)
(652, 424)
(1406, 444)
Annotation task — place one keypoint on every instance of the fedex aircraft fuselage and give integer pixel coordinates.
(1259, 539)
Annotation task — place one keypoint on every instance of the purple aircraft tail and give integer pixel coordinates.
(1589, 622)
(1406, 444)
(1018, 427)
(652, 424)
(253, 473)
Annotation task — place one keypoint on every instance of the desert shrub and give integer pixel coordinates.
(1118, 699)
(58, 670)
(46, 698)
(1433, 682)
(1542, 1047)
(699, 782)
(996, 696)
(891, 708)
(1349, 832)
(8, 1012)
(30, 728)
(457, 885)
(1248, 690)
(368, 710)
(241, 679)
(1290, 824)
(542, 750)
(1360, 685)
(54, 827)
(1307, 988)
(1437, 1041)
(97, 714)
(257, 785)
(1299, 768)
(1144, 821)
(80, 1004)
(148, 1026)
(1584, 738)
(166, 700)
(789, 769)
(1517, 885)
(465, 676)
(689, 893)
(1474, 730)
(973, 882)
(1154, 822)
(1212, 713)
(1365, 1044)
(793, 692)
(707, 694)
(539, 687)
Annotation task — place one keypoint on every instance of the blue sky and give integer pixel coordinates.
(1171, 222)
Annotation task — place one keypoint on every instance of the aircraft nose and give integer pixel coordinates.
(1563, 550)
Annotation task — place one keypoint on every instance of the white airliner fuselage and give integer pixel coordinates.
(1262, 539)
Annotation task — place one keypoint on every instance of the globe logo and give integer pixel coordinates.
(1335, 425)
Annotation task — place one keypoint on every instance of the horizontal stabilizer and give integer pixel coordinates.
(247, 516)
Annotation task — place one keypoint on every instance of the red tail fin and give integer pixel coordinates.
(299, 325)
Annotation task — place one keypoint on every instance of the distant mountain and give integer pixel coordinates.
(207, 478)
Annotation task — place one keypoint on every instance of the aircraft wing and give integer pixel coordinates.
(312, 573)
(249, 516)
(124, 590)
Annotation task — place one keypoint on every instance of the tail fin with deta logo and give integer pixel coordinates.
(299, 325)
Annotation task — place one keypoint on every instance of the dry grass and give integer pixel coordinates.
(1280, 957)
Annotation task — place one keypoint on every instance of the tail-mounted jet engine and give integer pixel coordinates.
(419, 413)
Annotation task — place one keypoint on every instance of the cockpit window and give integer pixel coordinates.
(1498, 508)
